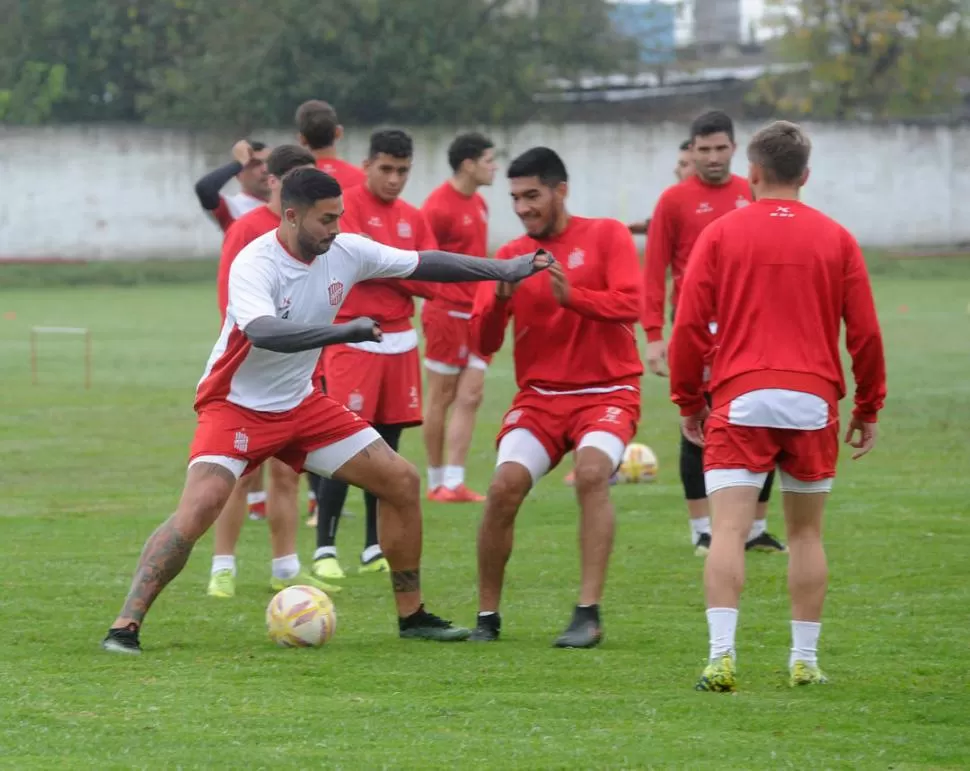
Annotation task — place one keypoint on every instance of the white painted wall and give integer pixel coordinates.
(107, 192)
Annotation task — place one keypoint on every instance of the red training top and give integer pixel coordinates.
(346, 174)
(247, 228)
(779, 277)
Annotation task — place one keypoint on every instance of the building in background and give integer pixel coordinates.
(717, 23)
(651, 23)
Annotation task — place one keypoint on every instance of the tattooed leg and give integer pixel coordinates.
(207, 488)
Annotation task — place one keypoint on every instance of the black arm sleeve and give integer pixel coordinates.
(207, 189)
(281, 336)
(447, 267)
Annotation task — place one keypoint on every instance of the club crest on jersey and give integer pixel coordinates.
(355, 402)
(705, 208)
(741, 202)
(336, 291)
(241, 442)
(575, 259)
(466, 220)
(404, 229)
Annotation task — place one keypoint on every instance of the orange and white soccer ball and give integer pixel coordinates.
(639, 464)
(301, 617)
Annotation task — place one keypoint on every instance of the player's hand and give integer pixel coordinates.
(560, 284)
(242, 151)
(657, 358)
(526, 265)
(692, 426)
(364, 330)
(504, 290)
(862, 436)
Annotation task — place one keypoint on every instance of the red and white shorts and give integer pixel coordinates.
(448, 346)
(541, 427)
(319, 435)
(751, 435)
(383, 388)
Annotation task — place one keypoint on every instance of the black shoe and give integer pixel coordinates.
(766, 542)
(487, 629)
(123, 640)
(703, 545)
(584, 631)
(422, 625)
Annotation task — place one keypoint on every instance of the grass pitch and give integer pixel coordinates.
(87, 475)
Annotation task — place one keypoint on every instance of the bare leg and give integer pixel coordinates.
(510, 484)
(807, 567)
(597, 522)
(733, 511)
(440, 395)
(282, 508)
(230, 521)
(207, 488)
(471, 385)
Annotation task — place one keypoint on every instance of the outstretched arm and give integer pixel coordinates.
(282, 336)
(447, 267)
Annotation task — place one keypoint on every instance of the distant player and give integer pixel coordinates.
(682, 212)
(281, 503)
(378, 380)
(578, 373)
(256, 399)
(780, 277)
(458, 216)
(683, 169)
(249, 168)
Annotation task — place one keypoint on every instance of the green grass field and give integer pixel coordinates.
(87, 475)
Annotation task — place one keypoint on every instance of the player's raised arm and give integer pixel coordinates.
(448, 267)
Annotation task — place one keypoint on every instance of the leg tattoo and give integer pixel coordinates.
(406, 580)
(163, 558)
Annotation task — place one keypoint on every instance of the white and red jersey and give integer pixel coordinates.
(232, 207)
(266, 280)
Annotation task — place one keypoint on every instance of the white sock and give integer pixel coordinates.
(223, 562)
(436, 477)
(454, 476)
(325, 551)
(487, 613)
(371, 552)
(259, 497)
(804, 642)
(310, 495)
(699, 527)
(286, 567)
(757, 528)
(722, 623)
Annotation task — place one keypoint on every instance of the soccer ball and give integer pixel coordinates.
(639, 464)
(301, 617)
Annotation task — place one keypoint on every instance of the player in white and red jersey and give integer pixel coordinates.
(249, 168)
(578, 372)
(257, 400)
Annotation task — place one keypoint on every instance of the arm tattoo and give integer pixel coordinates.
(406, 580)
(163, 558)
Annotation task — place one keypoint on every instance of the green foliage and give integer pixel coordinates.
(892, 59)
(251, 62)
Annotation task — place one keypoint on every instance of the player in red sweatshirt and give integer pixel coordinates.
(380, 381)
(578, 373)
(682, 213)
(281, 504)
(458, 215)
(780, 278)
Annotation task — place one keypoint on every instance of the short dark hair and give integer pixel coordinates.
(285, 158)
(685, 145)
(712, 122)
(256, 145)
(304, 187)
(393, 142)
(317, 121)
(467, 147)
(782, 150)
(539, 162)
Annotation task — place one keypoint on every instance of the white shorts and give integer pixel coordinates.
(521, 446)
(721, 478)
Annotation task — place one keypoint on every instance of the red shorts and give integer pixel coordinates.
(448, 346)
(383, 388)
(560, 422)
(806, 455)
(228, 430)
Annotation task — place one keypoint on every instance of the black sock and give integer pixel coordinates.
(331, 496)
(588, 612)
(391, 435)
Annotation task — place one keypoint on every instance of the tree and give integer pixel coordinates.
(869, 59)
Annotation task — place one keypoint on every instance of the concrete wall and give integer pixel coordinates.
(110, 192)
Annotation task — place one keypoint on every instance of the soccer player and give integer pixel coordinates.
(249, 168)
(682, 212)
(458, 216)
(380, 381)
(578, 373)
(281, 503)
(256, 399)
(781, 278)
(682, 170)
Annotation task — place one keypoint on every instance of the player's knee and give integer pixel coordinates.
(507, 490)
(404, 490)
(592, 475)
(470, 397)
(283, 478)
(200, 507)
